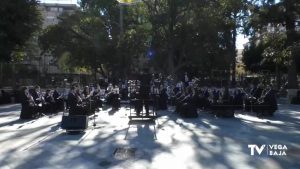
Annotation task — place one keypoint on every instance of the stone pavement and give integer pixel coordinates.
(169, 143)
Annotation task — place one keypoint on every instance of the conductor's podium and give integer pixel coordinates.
(134, 103)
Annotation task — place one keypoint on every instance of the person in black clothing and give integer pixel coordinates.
(28, 110)
(269, 102)
(296, 99)
(38, 98)
(58, 98)
(124, 91)
(252, 99)
(74, 101)
(257, 92)
(187, 105)
(238, 99)
(5, 97)
(96, 97)
(35, 93)
(144, 95)
(49, 104)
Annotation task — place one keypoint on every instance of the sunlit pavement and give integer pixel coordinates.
(170, 143)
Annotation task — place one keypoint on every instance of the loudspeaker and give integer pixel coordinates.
(74, 122)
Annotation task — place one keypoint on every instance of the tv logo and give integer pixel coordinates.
(258, 149)
(271, 150)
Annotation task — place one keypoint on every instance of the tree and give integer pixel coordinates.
(266, 14)
(83, 37)
(19, 20)
(173, 36)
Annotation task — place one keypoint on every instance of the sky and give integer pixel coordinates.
(240, 41)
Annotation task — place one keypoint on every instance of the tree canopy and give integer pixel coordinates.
(169, 35)
(274, 30)
(19, 20)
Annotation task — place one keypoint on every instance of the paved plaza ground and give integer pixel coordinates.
(169, 143)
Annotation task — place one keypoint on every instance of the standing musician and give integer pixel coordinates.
(28, 109)
(75, 103)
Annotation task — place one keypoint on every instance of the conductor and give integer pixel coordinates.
(145, 79)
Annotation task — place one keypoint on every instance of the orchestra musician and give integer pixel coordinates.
(75, 102)
(113, 96)
(96, 97)
(59, 101)
(269, 102)
(38, 99)
(49, 104)
(28, 110)
(163, 99)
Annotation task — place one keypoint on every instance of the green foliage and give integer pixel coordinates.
(275, 24)
(19, 20)
(182, 34)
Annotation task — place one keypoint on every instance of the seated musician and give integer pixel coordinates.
(134, 98)
(163, 99)
(75, 103)
(269, 102)
(178, 100)
(116, 98)
(59, 101)
(155, 93)
(49, 104)
(296, 99)
(4, 97)
(86, 93)
(109, 94)
(38, 98)
(216, 96)
(35, 93)
(238, 98)
(87, 103)
(124, 91)
(252, 98)
(257, 92)
(28, 109)
(96, 97)
(188, 108)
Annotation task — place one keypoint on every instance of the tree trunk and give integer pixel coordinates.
(278, 78)
(233, 64)
(291, 34)
(1, 73)
(172, 13)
